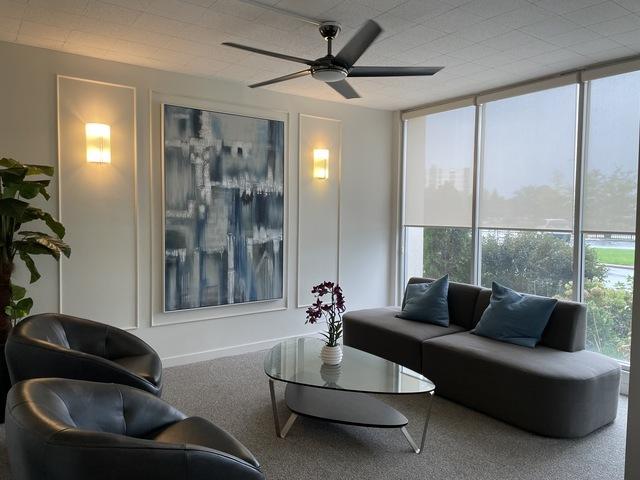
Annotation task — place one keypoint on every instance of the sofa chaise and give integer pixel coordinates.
(556, 389)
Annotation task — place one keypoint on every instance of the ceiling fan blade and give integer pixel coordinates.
(355, 47)
(344, 89)
(284, 78)
(268, 53)
(393, 71)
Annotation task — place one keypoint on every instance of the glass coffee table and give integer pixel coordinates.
(342, 393)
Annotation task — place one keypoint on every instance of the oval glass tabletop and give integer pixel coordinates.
(298, 361)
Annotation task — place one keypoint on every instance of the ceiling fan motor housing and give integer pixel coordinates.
(329, 30)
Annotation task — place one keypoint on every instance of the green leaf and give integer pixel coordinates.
(31, 265)
(13, 208)
(34, 213)
(31, 188)
(17, 292)
(33, 240)
(29, 168)
(23, 307)
(9, 163)
(28, 191)
(39, 170)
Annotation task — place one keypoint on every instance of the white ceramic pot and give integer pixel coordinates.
(331, 355)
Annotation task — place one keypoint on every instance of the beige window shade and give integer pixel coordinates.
(439, 154)
(611, 154)
(438, 107)
(527, 169)
(528, 87)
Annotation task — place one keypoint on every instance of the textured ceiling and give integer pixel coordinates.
(482, 43)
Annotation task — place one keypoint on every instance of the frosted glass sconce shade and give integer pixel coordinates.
(321, 163)
(98, 143)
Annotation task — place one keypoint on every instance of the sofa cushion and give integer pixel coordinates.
(427, 302)
(566, 329)
(380, 332)
(514, 317)
(543, 390)
(462, 302)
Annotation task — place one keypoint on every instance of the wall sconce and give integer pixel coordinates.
(321, 163)
(98, 143)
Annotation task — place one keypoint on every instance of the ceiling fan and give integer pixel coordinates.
(335, 69)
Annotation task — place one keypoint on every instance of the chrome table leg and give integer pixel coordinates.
(288, 425)
(276, 420)
(281, 433)
(408, 436)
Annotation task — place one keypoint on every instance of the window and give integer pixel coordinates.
(438, 194)
(540, 263)
(434, 251)
(608, 293)
(530, 228)
(609, 211)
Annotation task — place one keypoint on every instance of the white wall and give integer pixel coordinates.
(367, 230)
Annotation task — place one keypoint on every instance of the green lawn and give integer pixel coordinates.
(615, 256)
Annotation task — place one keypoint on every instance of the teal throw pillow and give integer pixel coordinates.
(514, 317)
(427, 302)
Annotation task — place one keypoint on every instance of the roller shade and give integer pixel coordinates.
(439, 152)
(527, 169)
(611, 154)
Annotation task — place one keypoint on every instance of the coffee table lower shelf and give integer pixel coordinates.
(344, 407)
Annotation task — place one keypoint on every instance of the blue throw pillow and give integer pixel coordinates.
(514, 317)
(427, 302)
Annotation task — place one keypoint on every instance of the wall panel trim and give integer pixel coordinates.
(300, 304)
(136, 213)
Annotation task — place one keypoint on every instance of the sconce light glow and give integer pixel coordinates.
(321, 163)
(98, 143)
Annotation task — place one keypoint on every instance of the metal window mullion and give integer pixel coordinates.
(402, 238)
(578, 254)
(475, 233)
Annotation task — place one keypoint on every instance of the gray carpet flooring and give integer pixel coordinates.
(461, 444)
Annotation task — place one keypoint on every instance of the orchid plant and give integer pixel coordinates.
(329, 304)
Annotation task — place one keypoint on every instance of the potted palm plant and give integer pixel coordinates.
(18, 238)
(329, 304)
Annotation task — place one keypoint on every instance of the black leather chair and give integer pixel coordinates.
(56, 345)
(62, 429)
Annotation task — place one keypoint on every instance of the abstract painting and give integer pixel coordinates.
(223, 208)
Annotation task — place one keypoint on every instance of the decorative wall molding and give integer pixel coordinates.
(136, 272)
(302, 167)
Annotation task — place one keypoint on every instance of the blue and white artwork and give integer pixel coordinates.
(223, 208)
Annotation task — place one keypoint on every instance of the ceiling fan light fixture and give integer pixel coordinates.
(329, 73)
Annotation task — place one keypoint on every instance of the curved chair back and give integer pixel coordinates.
(62, 429)
(57, 345)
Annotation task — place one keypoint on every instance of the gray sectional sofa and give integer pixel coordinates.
(557, 389)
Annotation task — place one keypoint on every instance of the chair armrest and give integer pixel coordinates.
(120, 343)
(104, 456)
(28, 358)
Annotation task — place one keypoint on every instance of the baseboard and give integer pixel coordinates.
(205, 355)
